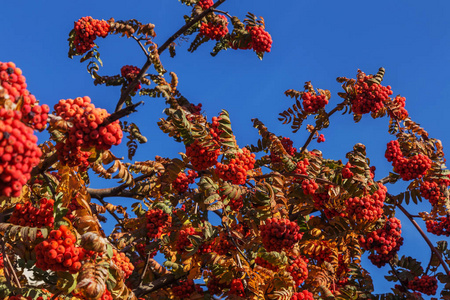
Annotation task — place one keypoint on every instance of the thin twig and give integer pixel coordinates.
(398, 277)
(142, 46)
(11, 268)
(223, 12)
(235, 245)
(113, 213)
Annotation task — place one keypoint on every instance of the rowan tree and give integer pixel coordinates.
(258, 221)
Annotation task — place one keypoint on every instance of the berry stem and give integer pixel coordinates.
(439, 256)
(398, 277)
(338, 107)
(222, 12)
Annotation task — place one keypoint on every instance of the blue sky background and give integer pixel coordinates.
(313, 41)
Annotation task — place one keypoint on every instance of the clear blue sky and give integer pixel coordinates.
(313, 41)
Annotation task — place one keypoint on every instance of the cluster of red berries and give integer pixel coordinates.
(279, 234)
(20, 297)
(195, 109)
(261, 41)
(141, 249)
(369, 97)
(309, 186)
(236, 169)
(157, 221)
(303, 295)
(287, 145)
(186, 288)
(205, 4)
(27, 215)
(215, 287)
(236, 204)
(183, 242)
(322, 203)
(409, 168)
(312, 103)
(130, 73)
(431, 191)
(73, 206)
(298, 269)
(369, 207)
(59, 253)
(265, 264)
(302, 167)
(215, 29)
(425, 284)
(19, 152)
(398, 111)
(215, 131)
(202, 157)
(237, 288)
(321, 138)
(384, 240)
(222, 245)
(87, 30)
(123, 262)
(346, 172)
(87, 130)
(181, 183)
(439, 227)
(12, 80)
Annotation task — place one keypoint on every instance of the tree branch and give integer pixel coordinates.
(438, 254)
(315, 127)
(124, 95)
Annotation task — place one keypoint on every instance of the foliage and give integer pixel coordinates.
(264, 221)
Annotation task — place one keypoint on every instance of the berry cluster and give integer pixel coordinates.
(302, 167)
(215, 131)
(215, 287)
(157, 221)
(202, 157)
(237, 288)
(73, 206)
(309, 186)
(312, 103)
(141, 249)
(279, 234)
(19, 152)
(195, 109)
(28, 215)
(130, 73)
(409, 168)
(431, 191)
(87, 131)
(287, 145)
(13, 82)
(298, 269)
(439, 227)
(322, 203)
(236, 169)
(123, 262)
(236, 204)
(261, 41)
(222, 245)
(59, 253)
(369, 207)
(303, 295)
(346, 172)
(186, 288)
(398, 110)
(265, 264)
(87, 30)
(205, 4)
(425, 284)
(215, 29)
(369, 97)
(384, 240)
(183, 242)
(321, 138)
(181, 183)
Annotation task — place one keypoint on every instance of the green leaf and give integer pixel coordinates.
(109, 250)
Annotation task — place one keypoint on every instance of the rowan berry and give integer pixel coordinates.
(298, 269)
(202, 157)
(279, 234)
(87, 30)
(425, 284)
(215, 29)
(312, 103)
